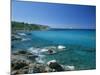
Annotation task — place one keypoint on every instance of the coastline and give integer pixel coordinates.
(28, 57)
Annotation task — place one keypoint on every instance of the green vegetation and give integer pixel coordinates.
(26, 26)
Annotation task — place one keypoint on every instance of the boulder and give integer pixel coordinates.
(38, 68)
(19, 64)
(55, 65)
(50, 51)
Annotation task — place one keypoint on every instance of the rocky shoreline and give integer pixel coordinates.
(24, 62)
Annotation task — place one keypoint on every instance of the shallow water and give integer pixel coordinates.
(80, 46)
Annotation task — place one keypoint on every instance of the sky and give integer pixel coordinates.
(54, 15)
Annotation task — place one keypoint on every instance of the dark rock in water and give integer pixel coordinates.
(32, 57)
(23, 52)
(15, 37)
(55, 65)
(29, 34)
(50, 51)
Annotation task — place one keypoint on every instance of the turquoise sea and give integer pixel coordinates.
(80, 46)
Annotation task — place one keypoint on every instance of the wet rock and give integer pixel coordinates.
(48, 69)
(15, 37)
(69, 68)
(21, 71)
(19, 64)
(22, 52)
(61, 47)
(28, 33)
(32, 57)
(21, 34)
(55, 65)
(50, 51)
(13, 72)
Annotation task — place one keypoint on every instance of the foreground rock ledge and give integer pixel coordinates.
(23, 62)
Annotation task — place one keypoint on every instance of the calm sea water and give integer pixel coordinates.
(80, 46)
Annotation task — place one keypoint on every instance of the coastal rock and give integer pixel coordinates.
(19, 64)
(22, 52)
(69, 68)
(21, 34)
(44, 50)
(15, 37)
(28, 33)
(14, 72)
(61, 47)
(32, 57)
(48, 69)
(38, 68)
(25, 39)
(53, 64)
(48, 51)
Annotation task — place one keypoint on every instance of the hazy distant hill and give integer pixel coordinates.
(26, 26)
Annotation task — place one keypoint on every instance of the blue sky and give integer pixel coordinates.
(54, 15)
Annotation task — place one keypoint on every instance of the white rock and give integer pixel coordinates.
(70, 68)
(25, 39)
(44, 50)
(22, 34)
(52, 61)
(61, 47)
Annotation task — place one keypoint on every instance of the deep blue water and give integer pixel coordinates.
(77, 37)
(80, 46)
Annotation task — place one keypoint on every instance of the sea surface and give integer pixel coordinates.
(80, 46)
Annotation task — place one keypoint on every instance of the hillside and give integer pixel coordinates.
(27, 27)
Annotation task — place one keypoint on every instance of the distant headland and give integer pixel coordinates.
(21, 26)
